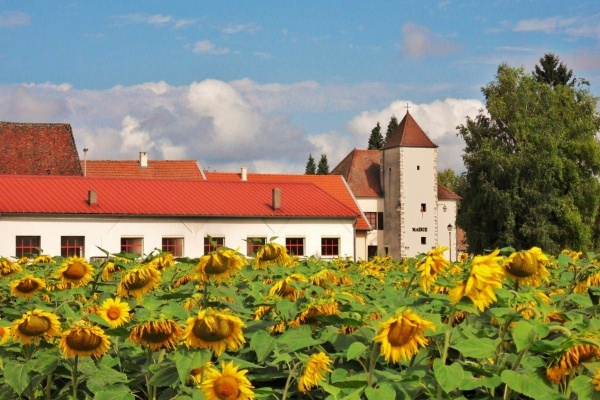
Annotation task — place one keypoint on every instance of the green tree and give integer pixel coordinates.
(391, 127)
(376, 138)
(531, 164)
(323, 168)
(451, 180)
(553, 72)
(311, 167)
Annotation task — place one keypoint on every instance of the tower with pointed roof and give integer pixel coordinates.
(409, 185)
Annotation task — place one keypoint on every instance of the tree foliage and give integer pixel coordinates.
(323, 168)
(311, 167)
(553, 72)
(451, 180)
(391, 127)
(376, 138)
(532, 160)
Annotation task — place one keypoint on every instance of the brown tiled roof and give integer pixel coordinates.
(38, 149)
(176, 169)
(361, 170)
(461, 238)
(446, 194)
(408, 134)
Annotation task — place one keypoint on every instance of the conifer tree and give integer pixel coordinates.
(553, 72)
(391, 127)
(376, 138)
(323, 168)
(311, 167)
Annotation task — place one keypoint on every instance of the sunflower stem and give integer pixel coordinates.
(372, 362)
(48, 388)
(289, 380)
(407, 291)
(447, 335)
(205, 295)
(74, 377)
(149, 387)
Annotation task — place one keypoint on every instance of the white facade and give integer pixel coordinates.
(447, 210)
(106, 232)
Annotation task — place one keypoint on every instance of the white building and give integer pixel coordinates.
(398, 191)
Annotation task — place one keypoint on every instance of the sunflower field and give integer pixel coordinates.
(501, 325)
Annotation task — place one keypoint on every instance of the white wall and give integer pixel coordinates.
(446, 218)
(106, 232)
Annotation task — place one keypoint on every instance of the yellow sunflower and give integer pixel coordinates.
(271, 254)
(111, 267)
(323, 277)
(308, 316)
(227, 384)
(115, 312)
(570, 361)
(219, 265)
(400, 337)
(214, 330)
(596, 380)
(35, 325)
(156, 334)
(163, 261)
(284, 288)
(75, 271)
(431, 266)
(138, 281)
(84, 340)
(24, 260)
(486, 275)
(197, 374)
(42, 258)
(313, 371)
(4, 334)
(26, 286)
(7, 267)
(527, 267)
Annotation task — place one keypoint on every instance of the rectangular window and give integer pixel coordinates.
(371, 251)
(132, 245)
(418, 167)
(330, 246)
(295, 246)
(379, 220)
(254, 243)
(71, 246)
(27, 245)
(208, 246)
(173, 246)
(423, 240)
(375, 219)
(423, 207)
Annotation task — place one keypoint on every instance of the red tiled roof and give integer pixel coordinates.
(361, 170)
(177, 169)
(446, 194)
(38, 149)
(334, 185)
(408, 134)
(162, 197)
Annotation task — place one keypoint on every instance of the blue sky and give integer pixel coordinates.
(263, 84)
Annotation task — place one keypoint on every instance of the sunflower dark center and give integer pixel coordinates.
(27, 286)
(401, 333)
(83, 340)
(155, 336)
(226, 388)
(75, 271)
(521, 268)
(137, 281)
(217, 265)
(34, 326)
(212, 333)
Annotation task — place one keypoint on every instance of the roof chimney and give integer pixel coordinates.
(276, 204)
(244, 174)
(92, 197)
(143, 159)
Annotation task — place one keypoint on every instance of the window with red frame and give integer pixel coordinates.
(173, 246)
(132, 245)
(295, 246)
(72, 246)
(330, 246)
(254, 243)
(208, 246)
(27, 245)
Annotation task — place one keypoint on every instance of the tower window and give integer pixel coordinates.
(418, 167)
(423, 240)
(423, 207)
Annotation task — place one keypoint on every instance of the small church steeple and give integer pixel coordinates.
(408, 134)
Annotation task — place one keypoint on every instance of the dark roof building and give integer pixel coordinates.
(38, 149)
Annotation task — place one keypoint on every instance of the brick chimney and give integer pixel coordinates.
(92, 197)
(276, 204)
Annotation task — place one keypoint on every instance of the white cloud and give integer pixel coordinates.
(133, 137)
(418, 41)
(588, 26)
(207, 47)
(12, 19)
(158, 20)
(237, 28)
